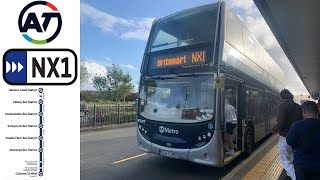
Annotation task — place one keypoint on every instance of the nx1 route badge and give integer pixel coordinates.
(39, 67)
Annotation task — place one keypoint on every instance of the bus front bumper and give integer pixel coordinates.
(210, 154)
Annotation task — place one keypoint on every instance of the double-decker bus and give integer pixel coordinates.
(194, 61)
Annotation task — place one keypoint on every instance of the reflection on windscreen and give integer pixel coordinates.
(183, 99)
(189, 27)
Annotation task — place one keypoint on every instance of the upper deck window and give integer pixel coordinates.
(194, 26)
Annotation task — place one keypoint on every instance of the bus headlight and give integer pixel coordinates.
(209, 134)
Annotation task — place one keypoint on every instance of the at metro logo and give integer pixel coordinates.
(32, 25)
(163, 129)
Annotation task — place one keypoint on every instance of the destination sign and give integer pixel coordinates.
(182, 59)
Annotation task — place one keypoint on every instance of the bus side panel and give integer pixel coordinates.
(274, 102)
(238, 65)
(245, 50)
(254, 111)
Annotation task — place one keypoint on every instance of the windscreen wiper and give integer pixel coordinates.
(163, 78)
(164, 44)
(191, 75)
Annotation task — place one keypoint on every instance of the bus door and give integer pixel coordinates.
(232, 94)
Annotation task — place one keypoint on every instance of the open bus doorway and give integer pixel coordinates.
(231, 123)
(230, 136)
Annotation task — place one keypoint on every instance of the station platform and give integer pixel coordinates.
(262, 164)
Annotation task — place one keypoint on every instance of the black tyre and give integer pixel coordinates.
(249, 141)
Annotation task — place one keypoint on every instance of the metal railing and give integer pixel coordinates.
(97, 115)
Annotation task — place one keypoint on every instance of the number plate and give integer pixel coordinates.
(169, 154)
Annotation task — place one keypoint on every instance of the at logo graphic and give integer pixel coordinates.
(31, 25)
(161, 129)
(168, 130)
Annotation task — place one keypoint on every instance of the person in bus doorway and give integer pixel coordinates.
(288, 113)
(304, 138)
(231, 123)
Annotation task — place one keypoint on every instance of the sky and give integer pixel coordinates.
(116, 32)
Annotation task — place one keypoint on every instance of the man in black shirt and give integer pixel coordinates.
(288, 113)
(304, 137)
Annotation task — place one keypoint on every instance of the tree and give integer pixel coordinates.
(84, 75)
(115, 84)
(132, 96)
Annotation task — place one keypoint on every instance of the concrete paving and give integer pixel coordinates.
(113, 154)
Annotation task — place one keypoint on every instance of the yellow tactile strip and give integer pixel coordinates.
(268, 167)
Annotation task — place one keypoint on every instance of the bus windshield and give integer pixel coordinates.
(178, 99)
(189, 27)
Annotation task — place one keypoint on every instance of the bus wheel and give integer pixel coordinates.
(248, 141)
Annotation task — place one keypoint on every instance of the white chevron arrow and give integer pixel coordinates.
(8, 67)
(19, 67)
(14, 67)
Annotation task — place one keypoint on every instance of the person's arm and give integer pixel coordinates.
(281, 117)
(292, 136)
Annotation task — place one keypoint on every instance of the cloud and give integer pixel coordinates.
(108, 59)
(127, 29)
(93, 69)
(242, 4)
(128, 66)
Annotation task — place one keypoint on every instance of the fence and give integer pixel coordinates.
(97, 115)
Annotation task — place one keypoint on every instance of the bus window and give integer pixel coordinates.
(181, 99)
(255, 110)
(187, 28)
(234, 32)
